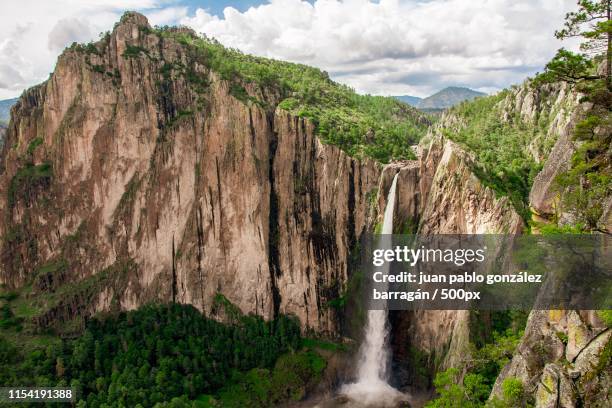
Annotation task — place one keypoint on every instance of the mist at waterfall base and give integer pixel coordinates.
(371, 387)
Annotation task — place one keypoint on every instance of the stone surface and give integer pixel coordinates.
(161, 192)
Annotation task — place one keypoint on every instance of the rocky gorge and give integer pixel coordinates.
(139, 174)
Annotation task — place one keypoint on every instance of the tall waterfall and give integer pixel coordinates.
(372, 375)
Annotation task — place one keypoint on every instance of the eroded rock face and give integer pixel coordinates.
(564, 108)
(439, 194)
(551, 360)
(322, 209)
(562, 359)
(143, 186)
(124, 182)
(453, 200)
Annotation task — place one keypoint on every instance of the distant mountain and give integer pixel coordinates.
(410, 100)
(5, 109)
(443, 99)
(448, 97)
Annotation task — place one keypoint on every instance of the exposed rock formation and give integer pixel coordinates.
(563, 360)
(564, 110)
(439, 194)
(124, 182)
(122, 175)
(451, 199)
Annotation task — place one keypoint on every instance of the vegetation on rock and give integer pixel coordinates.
(502, 158)
(586, 186)
(362, 125)
(470, 386)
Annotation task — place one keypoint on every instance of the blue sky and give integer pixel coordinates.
(216, 7)
(385, 47)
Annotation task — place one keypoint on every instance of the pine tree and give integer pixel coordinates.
(592, 23)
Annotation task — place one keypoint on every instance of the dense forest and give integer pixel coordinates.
(167, 356)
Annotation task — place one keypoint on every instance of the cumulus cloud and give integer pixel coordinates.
(166, 16)
(34, 32)
(9, 78)
(381, 47)
(396, 47)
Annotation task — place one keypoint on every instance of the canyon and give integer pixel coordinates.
(124, 183)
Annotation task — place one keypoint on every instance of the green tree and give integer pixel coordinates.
(513, 391)
(452, 392)
(569, 67)
(592, 23)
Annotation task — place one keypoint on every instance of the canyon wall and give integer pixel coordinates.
(125, 182)
(563, 359)
(439, 193)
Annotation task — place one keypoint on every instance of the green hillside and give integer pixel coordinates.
(503, 161)
(362, 125)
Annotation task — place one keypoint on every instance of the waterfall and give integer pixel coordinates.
(372, 374)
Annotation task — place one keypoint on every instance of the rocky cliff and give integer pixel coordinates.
(563, 359)
(136, 173)
(440, 193)
(140, 172)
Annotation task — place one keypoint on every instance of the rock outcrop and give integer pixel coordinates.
(451, 199)
(125, 180)
(439, 194)
(563, 359)
(563, 108)
(137, 173)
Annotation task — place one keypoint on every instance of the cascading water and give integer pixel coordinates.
(372, 375)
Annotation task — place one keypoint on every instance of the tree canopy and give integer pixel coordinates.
(591, 22)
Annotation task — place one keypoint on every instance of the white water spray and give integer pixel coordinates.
(372, 375)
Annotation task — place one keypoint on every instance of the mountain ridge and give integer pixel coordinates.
(190, 158)
(443, 99)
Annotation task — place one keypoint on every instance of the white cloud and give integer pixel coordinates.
(33, 33)
(381, 47)
(166, 16)
(398, 47)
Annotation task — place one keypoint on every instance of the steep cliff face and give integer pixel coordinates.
(563, 359)
(564, 108)
(441, 193)
(136, 173)
(455, 202)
